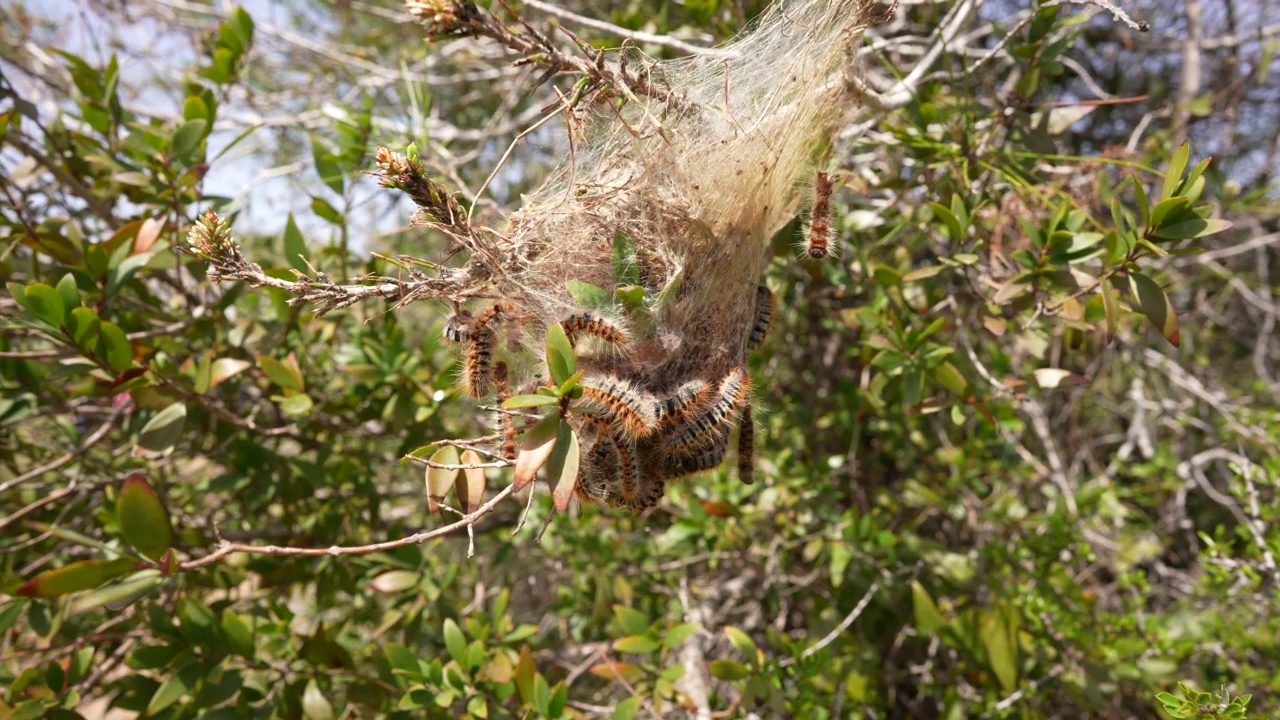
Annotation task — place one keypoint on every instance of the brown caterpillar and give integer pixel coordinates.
(479, 366)
(509, 447)
(589, 324)
(625, 407)
(674, 409)
(700, 460)
(710, 425)
(764, 318)
(820, 218)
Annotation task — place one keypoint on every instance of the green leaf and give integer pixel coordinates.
(1173, 174)
(632, 621)
(115, 348)
(630, 297)
(636, 644)
(82, 325)
(142, 517)
(118, 596)
(315, 706)
(626, 267)
(1196, 228)
(1169, 208)
(627, 709)
(395, 581)
(1156, 306)
(194, 108)
(77, 576)
(1140, 197)
(45, 304)
(528, 401)
(69, 291)
(326, 165)
(679, 633)
(455, 642)
(728, 670)
(287, 376)
(950, 378)
(238, 634)
(294, 246)
(562, 467)
(224, 368)
(949, 219)
(560, 357)
(187, 138)
(1110, 307)
(294, 406)
(440, 480)
(1001, 645)
(323, 209)
(741, 641)
(171, 690)
(535, 449)
(923, 273)
(928, 620)
(162, 432)
(588, 295)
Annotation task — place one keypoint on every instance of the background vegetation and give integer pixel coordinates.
(1017, 456)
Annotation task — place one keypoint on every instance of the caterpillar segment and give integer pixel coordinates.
(479, 367)
(697, 459)
(509, 448)
(708, 426)
(629, 410)
(764, 318)
(678, 408)
(746, 445)
(595, 326)
(817, 244)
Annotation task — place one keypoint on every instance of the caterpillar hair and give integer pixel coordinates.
(764, 318)
(480, 353)
(628, 409)
(820, 218)
(595, 326)
(711, 424)
(699, 459)
(675, 409)
(509, 447)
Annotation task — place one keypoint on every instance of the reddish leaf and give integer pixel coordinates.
(77, 576)
(562, 467)
(535, 450)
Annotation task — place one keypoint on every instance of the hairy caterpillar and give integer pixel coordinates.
(820, 218)
(746, 445)
(589, 324)
(480, 354)
(764, 318)
(710, 424)
(674, 409)
(623, 405)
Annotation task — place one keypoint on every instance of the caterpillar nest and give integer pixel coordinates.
(647, 246)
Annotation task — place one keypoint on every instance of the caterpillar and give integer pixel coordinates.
(509, 447)
(589, 324)
(820, 218)
(733, 391)
(675, 408)
(480, 353)
(699, 460)
(623, 405)
(600, 472)
(764, 318)
(746, 445)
